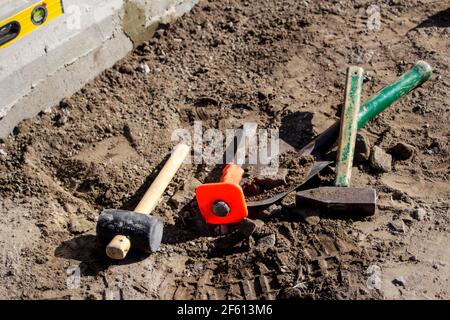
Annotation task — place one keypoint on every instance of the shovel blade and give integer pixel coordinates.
(348, 201)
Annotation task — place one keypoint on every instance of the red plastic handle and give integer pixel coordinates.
(232, 174)
(228, 191)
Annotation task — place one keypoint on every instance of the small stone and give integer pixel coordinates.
(270, 211)
(367, 76)
(65, 103)
(162, 58)
(310, 216)
(3, 153)
(267, 241)
(61, 120)
(362, 149)
(126, 69)
(273, 181)
(397, 226)
(147, 49)
(290, 294)
(247, 226)
(186, 194)
(400, 281)
(191, 184)
(312, 220)
(402, 151)
(380, 161)
(159, 33)
(48, 110)
(251, 189)
(418, 109)
(419, 214)
(178, 199)
(144, 68)
(78, 225)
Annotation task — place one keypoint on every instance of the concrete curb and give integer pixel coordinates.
(57, 60)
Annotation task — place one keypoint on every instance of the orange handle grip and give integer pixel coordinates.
(232, 174)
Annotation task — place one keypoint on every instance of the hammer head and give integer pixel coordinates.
(144, 231)
(352, 201)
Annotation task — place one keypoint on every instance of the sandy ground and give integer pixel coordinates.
(282, 65)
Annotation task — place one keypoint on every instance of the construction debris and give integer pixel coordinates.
(402, 151)
(362, 149)
(380, 161)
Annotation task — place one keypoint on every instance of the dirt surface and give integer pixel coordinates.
(282, 65)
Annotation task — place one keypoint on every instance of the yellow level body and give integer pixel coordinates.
(29, 19)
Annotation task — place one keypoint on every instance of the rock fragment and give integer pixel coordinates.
(143, 68)
(419, 214)
(269, 211)
(78, 225)
(250, 227)
(267, 241)
(291, 293)
(186, 194)
(402, 151)
(126, 69)
(272, 181)
(310, 216)
(380, 161)
(397, 226)
(362, 149)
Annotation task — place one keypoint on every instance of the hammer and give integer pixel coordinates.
(122, 229)
(342, 197)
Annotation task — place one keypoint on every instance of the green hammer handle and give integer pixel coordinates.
(418, 74)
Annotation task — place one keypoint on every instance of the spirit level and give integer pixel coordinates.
(27, 17)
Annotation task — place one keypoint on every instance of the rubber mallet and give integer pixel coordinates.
(122, 229)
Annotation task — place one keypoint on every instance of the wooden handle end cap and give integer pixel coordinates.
(118, 248)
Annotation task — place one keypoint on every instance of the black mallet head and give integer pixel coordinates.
(144, 231)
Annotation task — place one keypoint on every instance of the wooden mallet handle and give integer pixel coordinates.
(120, 245)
